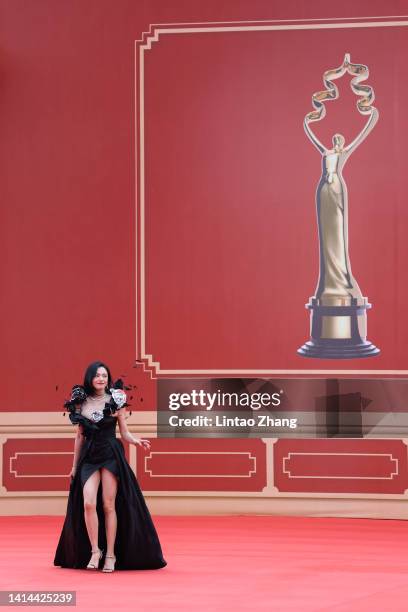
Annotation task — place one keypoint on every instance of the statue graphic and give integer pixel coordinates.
(338, 309)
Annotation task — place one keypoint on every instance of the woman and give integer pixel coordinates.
(336, 279)
(105, 504)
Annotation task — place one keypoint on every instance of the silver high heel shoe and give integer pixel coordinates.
(92, 565)
(108, 569)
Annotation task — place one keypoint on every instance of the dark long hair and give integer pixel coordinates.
(90, 374)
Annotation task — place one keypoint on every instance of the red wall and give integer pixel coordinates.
(67, 176)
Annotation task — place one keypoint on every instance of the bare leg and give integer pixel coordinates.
(109, 489)
(90, 491)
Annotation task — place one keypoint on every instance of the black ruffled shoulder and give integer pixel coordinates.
(118, 398)
(78, 396)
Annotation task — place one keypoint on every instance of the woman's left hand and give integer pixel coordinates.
(143, 442)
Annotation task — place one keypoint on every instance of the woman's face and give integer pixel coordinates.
(100, 379)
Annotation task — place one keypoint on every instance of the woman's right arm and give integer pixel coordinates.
(77, 448)
(319, 146)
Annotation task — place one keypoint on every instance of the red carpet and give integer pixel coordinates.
(228, 563)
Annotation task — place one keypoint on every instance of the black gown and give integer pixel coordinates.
(137, 545)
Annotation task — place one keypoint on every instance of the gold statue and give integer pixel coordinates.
(338, 310)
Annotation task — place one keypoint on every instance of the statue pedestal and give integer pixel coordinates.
(338, 331)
